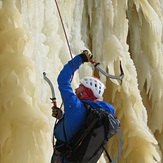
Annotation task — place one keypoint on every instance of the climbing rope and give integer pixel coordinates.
(63, 29)
(66, 41)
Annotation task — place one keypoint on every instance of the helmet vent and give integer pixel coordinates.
(95, 85)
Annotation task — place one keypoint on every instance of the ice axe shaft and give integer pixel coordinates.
(53, 98)
(120, 77)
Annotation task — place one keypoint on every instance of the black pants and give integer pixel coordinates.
(57, 158)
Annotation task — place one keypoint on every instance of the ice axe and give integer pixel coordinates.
(53, 98)
(120, 77)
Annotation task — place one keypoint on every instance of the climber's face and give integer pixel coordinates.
(80, 92)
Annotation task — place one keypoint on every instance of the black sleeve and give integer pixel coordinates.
(83, 57)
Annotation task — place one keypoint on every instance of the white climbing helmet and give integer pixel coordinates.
(94, 84)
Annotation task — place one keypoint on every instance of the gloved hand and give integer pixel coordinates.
(56, 112)
(86, 56)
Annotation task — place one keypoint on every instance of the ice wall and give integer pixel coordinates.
(32, 41)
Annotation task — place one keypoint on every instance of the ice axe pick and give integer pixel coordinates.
(97, 66)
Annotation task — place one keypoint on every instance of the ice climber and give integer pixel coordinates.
(89, 91)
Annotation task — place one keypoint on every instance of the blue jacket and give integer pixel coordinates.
(74, 110)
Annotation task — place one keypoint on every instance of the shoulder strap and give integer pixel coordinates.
(107, 154)
(87, 106)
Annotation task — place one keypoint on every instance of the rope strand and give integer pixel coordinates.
(66, 39)
(64, 29)
(67, 44)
